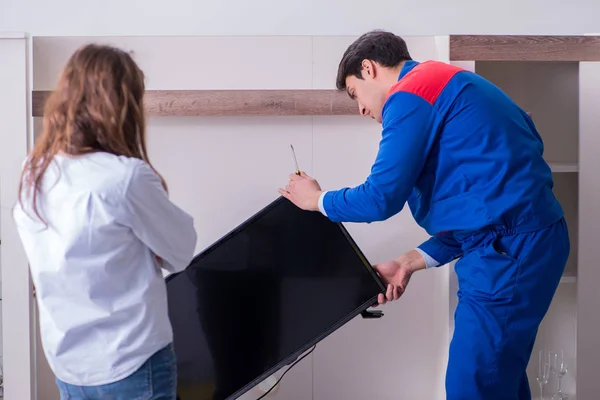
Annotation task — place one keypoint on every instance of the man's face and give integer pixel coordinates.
(368, 92)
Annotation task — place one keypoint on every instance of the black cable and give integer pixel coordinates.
(286, 371)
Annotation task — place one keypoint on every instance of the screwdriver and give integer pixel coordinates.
(295, 160)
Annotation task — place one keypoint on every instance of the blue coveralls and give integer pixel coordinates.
(469, 163)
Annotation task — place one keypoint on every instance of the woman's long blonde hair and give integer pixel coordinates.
(96, 106)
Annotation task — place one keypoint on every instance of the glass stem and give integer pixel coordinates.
(541, 391)
(559, 384)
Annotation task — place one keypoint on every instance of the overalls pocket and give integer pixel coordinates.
(489, 271)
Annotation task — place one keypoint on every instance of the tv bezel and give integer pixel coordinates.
(327, 332)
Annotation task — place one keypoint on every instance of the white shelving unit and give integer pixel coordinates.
(557, 84)
(550, 91)
(17, 353)
(555, 78)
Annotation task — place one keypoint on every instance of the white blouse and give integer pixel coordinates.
(100, 291)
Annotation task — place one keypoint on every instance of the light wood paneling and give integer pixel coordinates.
(236, 103)
(193, 62)
(347, 363)
(329, 50)
(524, 48)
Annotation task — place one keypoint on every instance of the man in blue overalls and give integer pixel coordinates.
(469, 163)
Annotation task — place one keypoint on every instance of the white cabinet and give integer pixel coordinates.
(556, 78)
(16, 295)
(588, 273)
(553, 78)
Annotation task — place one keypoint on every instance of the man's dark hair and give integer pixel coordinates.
(381, 47)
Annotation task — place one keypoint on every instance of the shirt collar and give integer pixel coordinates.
(408, 65)
(406, 68)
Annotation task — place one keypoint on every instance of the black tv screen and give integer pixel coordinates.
(261, 296)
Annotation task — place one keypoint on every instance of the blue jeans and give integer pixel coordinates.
(156, 379)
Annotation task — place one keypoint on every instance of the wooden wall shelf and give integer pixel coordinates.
(332, 102)
(524, 48)
(235, 103)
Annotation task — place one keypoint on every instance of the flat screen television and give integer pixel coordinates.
(263, 295)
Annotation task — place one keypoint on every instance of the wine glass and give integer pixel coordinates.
(1, 378)
(559, 368)
(544, 363)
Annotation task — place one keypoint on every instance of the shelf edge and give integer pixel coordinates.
(524, 48)
(563, 167)
(568, 279)
(225, 103)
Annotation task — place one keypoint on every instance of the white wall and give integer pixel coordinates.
(16, 289)
(312, 17)
(224, 169)
(276, 17)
